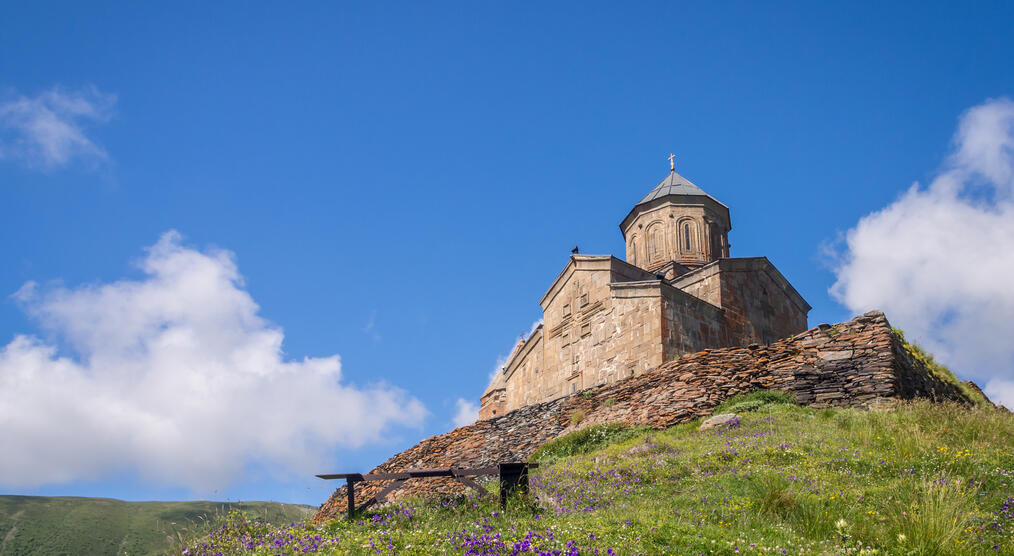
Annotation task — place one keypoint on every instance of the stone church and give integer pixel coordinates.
(678, 291)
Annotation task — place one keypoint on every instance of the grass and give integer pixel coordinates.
(71, 525)
(753, 401)
(921, 478)
(584, 441)
(939, 371)
(576, 417)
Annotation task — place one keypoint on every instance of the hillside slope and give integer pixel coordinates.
(76, 526)
(920, 478)
(860, 363)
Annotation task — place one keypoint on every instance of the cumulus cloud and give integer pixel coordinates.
(535, 326)
(48, 131)
(503, 359)
(466, 413)
(940, 259)
(177, 378)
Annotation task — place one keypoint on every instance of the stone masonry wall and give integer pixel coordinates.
(599, 327)
(859, 363)
(689, 324)
(656, 235)
(759, 303)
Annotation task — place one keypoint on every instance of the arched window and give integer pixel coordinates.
(656, 242)
(633, 250)
(686, 236)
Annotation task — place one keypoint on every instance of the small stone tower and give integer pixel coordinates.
(675, 228)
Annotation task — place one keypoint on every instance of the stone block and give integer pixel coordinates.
(719, 420)
(836, 355)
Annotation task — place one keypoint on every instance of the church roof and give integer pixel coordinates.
(675, 184)
(499, 382)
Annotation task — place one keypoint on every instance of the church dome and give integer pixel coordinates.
(676, 222)
(675, 184)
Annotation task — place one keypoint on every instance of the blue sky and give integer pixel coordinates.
(396, 184)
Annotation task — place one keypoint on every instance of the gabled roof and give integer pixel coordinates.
(675, 184)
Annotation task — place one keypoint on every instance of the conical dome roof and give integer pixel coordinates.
(673, 187)
(675, 184)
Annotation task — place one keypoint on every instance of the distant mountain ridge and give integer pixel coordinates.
(86, 526)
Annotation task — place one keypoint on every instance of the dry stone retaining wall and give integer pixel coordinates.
(859, 363)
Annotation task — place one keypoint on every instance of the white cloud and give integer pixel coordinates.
(175, 377)
(535, 326)
(371, 327)
(48, 131)
(502, 359)
(467, 412)
(940, 259)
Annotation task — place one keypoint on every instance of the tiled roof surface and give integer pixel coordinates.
(675, 184)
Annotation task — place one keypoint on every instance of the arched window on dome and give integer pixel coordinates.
(686, 237)
(633, 251)
(656, 246)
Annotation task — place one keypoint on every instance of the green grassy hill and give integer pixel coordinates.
(921, 478)
(86, 526)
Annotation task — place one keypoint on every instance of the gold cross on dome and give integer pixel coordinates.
(672, 165)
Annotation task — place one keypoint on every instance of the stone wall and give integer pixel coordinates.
(859, 363)
(689, 324)
(606, 320)
(593, 332)
(759, 303)
(602, 323)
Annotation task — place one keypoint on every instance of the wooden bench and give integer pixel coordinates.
(513, 478)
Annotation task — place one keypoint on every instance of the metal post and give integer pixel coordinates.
(513, 478)
(351, 492)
